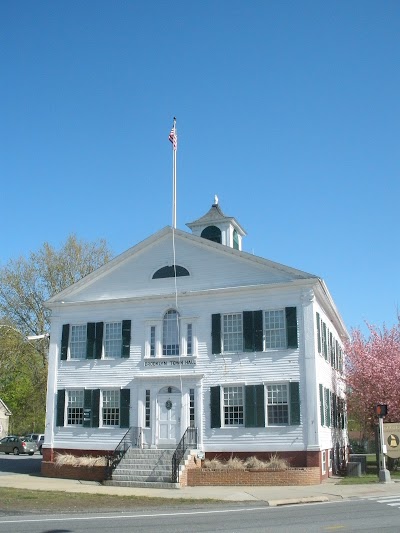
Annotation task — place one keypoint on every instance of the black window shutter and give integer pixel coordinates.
(126, 338)
(215, 405)
(319, 333)
(216, 333)
(328, 394)
(64, 342)
(325, 340)
(254, 405)
(95, 408)
(99, 339)
(125, 398)
(294, 391)
(60, 408)
(334, 411)
(248, 331)
(291, 327)
(258, 331)
(321, 405)
(90, 340)
(252, 331)
(87, 408)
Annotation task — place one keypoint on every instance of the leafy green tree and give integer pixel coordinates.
(25, 284)
(23, 377)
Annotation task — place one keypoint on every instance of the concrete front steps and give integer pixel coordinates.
(145, 468)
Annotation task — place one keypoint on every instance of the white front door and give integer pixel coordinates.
(169, 419)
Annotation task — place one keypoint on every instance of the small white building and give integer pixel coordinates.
(186, 329)
(5, 414)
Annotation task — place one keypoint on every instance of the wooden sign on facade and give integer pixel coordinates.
(391, 437)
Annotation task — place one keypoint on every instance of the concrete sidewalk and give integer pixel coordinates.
(330, 490)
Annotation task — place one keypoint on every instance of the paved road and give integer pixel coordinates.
(20, 464)
(368, 516)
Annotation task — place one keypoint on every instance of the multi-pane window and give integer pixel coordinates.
(110, 408)
(171, 333)
(152, 341)
(278, 404)
(233, 406)
(77, 344)
(112, 339)
(191, 408)
(275, 330)
(189, 340)
(147, 409)
(232, 332)
(75, 407)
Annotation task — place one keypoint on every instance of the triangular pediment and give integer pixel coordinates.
(210, 266)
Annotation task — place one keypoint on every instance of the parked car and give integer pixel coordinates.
(38, 439)
(17, 445)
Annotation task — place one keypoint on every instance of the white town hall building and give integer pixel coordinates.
(187, 330)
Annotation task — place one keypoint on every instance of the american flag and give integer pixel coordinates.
(173, 138)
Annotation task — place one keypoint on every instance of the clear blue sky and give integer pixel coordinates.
(288, 111)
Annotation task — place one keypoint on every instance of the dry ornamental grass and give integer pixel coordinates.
(251, 463)
(71, 460)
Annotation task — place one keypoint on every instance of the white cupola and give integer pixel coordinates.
(217, 227)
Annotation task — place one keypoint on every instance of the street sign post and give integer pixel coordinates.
(384, 474)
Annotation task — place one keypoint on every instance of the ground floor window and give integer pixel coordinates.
(233, 406)
(324, 462)
(110, 408)
(278, 404)
(147, 409)
(258, 405)
(75, 407)
(191, 408)
(93, 407)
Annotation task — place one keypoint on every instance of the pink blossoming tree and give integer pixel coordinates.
(373, 375)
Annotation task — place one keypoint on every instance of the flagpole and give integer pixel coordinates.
(173, 138)
(174, 182)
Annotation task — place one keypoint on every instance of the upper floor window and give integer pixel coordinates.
(77, 346)
(328, 346)
(232, 332)
(275, 330)
(112, 339)
(212, 233)
(171, 333)
(170, 336)
(171, 272)
(254, 331)
(96, 340)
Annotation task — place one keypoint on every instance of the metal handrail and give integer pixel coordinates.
(189, 440)
(131, 439)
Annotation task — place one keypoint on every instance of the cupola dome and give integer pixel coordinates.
(217, 227)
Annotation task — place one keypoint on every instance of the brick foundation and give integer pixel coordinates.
(82, 473)
(292, 476)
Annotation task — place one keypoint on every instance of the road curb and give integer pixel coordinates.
(293, 501)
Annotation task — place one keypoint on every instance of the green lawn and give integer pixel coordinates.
(29, 501)
(371, 476)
